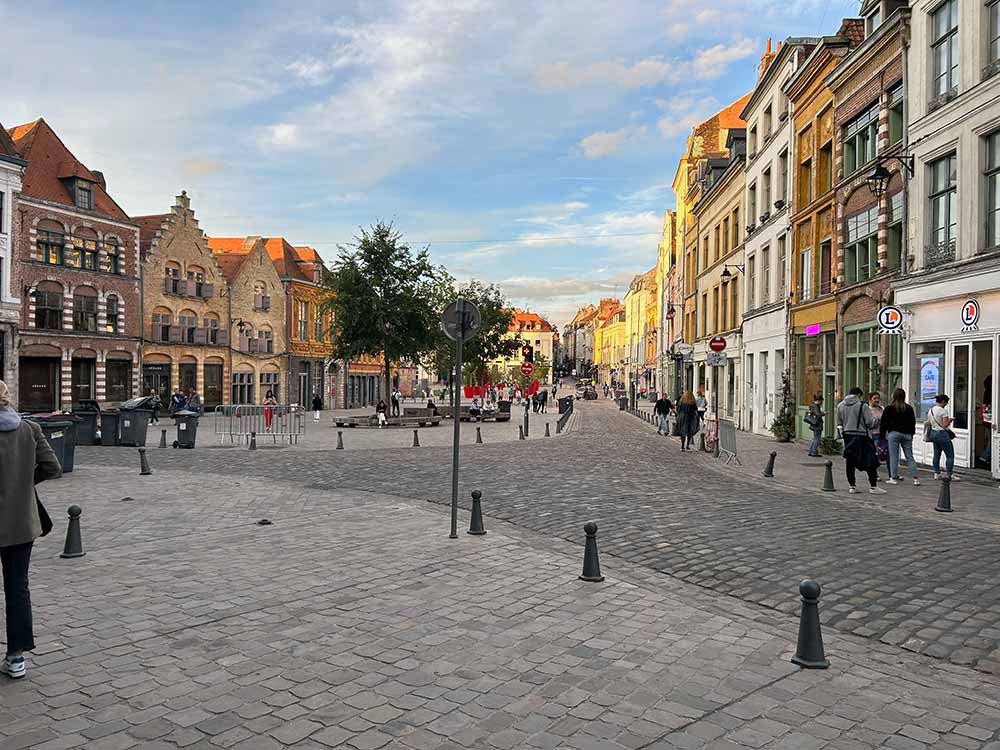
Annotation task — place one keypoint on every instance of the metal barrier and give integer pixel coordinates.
(238, 422)
(564, 418)
(727, 441)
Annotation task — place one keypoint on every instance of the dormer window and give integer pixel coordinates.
(872, 21)
(84, 195)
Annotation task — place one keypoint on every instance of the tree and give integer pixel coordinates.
(540, 372)
(783, 426)
(383, 299)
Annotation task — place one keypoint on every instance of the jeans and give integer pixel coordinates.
(899, 440)
(814, 447)
(988, 436)
(849, 454)
(942, 443)
(686, 441)
(15, 560)
(661, 424)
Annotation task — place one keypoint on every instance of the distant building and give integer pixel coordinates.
(11, 166)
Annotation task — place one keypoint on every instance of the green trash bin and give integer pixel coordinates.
(61, 435)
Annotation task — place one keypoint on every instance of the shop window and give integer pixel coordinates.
(861, 246)
(896, 123)
(861, 359)
(894, 232)
(85, 312)
(49, 309)
(927, 365)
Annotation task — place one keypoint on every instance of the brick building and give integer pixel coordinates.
(185, 328)
(77, 273)
(11, 166)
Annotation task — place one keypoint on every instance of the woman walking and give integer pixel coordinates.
(814, 418)
(25, 459)
(688, 422)
(899, 424)
(939, 425)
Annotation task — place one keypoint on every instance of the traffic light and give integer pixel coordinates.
(527, 353)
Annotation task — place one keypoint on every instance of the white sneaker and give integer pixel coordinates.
(13, 667)
(916, 482)
(954, 477)
(852, 490)
(936, 475)
(876, 491)
(892, 481)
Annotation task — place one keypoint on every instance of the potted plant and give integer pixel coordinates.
(783, 426)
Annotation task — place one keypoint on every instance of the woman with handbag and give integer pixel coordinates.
(899, 423)
(938, 432)
(25, 460)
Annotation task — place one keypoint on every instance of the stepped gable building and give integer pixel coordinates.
(76, 272)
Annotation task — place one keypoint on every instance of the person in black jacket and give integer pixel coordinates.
(899, 424)
(662, 409)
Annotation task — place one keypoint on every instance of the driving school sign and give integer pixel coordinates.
(890, 321)
(970, 315)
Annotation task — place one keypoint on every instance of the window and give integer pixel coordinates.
(3, 195)
(861, 358)
(895, 114)
(318, 327)
(765, 274)
(188, 322)
(993, 190)
(84, 195)
(944, 48)
(734, 290)
(113, 253)
(269, 381)
(172, 279)
(927, 365)
(85, 312)
(993, 33)
(265, 341)
(752, 204)
(196, 282)
(118, 376)
(751, 282)
(212, 330)
(805, 182)
(736, 227)
(782, 281)
(261, 299)
(718, 241)
(704, 314)
(873, 21)
(50, 247)
(861, 139)
(704, 253)
(825, 266)
(894, 232)
(752, 140)
(49, 309)
(765, 202)
(826, 166)
(716, 320)
(766, 120)
(723, 316)
(894, 372)
(782, 191)
(242, 390)
(944, 210)
(805, 275)
(111, 314)
(861, 246)
(85, 253)
(161, 326)
(303, 320)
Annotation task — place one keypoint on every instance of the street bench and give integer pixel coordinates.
(372, 421)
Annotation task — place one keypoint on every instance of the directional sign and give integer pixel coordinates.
(717, 344)
(715, 359)
(469, 321)
(527, 368)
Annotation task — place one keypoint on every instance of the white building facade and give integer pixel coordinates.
(11, 168)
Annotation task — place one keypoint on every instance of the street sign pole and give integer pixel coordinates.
(456, 416)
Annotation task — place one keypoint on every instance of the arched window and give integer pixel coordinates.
(188, 322)
(84, 249)
(162, 324)
(247, 342)
(50, 242)
(85, 310)
(265, 340)
(112, 313)
(49, 306)
(172, 280)
(261, 297)
(112, 252)
(211, 322)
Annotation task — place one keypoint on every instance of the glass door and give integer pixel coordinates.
(961, 402)
(982, 398)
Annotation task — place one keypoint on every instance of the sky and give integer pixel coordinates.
(529, 143)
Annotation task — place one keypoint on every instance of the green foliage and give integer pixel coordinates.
(830, 446)
(783, 425)
(540, 373)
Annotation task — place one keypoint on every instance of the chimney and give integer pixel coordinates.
(99, 176)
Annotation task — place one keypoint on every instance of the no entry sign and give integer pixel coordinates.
(717, 344)
(527, 368)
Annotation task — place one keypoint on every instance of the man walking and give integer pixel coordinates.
(855, 422)
(662, 409)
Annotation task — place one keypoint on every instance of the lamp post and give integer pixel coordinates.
(878, 180)
(726, 274)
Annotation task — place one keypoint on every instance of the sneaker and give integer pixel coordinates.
(13, 667)
(954, 477)
(852, 490)
(936, 475)
(877, 491)
(892, 481)
(916, 482)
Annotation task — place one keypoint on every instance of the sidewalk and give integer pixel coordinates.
(353, 621)
(975, 498)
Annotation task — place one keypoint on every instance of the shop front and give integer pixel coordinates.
(814, 349)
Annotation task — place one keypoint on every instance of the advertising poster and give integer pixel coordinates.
(930, 381)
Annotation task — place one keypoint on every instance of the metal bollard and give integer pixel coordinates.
(144, 470)
(591, 563)
(416, 440)
(769, 469)
(163, 438)
(702, 442)
(479, 436)
(809, 649)
(547, 433)
(476, 527)
(944, 497)
(340, 440)
(74, 542)
(526, 424)
(253, 441)
(520, 432)
(828, 478)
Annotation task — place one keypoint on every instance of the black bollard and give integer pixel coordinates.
(479, 435)
(828, 478)
(476, 527)
(74, 542)
(526, 424)
(253, 441)
(591, 563)
(144, 470)
(163, 438)
(769, 469)
(547, 433)
(340, 440)
(809, 649)
(520, 432)
(416, 440)
(944, 497)
(702, 442)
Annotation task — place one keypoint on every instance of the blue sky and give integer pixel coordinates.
(470, 123)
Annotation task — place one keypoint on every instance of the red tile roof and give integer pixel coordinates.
(48, 160)
(281, 252)
(6, 144)
(853, 29)
(523, 321)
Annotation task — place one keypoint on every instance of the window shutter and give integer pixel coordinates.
(166, 285)
(258, 302)
(207, 290)
(223, 337)
(200, 336)
(182, 286)
(176, 334)
(266, 300)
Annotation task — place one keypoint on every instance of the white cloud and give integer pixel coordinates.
(284, 135)
(200, 167)
(602, 144)
(711, 63)
(310, 70)
(683, 113)
(561, 75)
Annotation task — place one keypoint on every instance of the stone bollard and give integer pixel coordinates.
(74, 542)
(416, 440)
(547, 433)
(476, 527)
(479, 436)
(253, 441)
(340, 440)
(144, 470)
(520, 432)
(591, 563)
(828, 478)
(944, 497)
(163, 438)
(769, 469)
(809, 649)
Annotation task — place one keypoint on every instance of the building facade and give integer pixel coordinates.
(77, 272)
(11, 166)
(669, 309)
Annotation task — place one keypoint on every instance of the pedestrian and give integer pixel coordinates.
(193, 402)
(881, 446)
(397, 402)
(155, 404)
(432, 407)
(661, 409)
(606, 389)
(702, 404)
(269, 403)
(380, 410)
(317, 406)
(535, 404)
(543, 400)
(25, 459)
(177, 401)
(986, 419)
(899, 424)
(814, 418)
(854, 422)
(688, 419)
(937, 430)
(474, 410)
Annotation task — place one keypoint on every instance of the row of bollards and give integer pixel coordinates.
(944, 495)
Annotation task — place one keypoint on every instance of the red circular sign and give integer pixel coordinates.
(527, 368)
(717, 344)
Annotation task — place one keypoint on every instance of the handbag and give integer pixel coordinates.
(927, 431)
(43, 516)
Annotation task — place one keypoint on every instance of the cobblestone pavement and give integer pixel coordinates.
(352, 621)
(914, 578)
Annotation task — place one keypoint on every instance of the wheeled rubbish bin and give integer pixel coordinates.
(134, 417)
(61, 434)
(187, 428)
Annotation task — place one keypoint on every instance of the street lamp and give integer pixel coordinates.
(878, 180)
(726, 275)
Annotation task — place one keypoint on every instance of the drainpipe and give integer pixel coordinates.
(142, 323)
(904, 41)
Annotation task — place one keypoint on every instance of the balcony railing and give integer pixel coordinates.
(938, 253)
